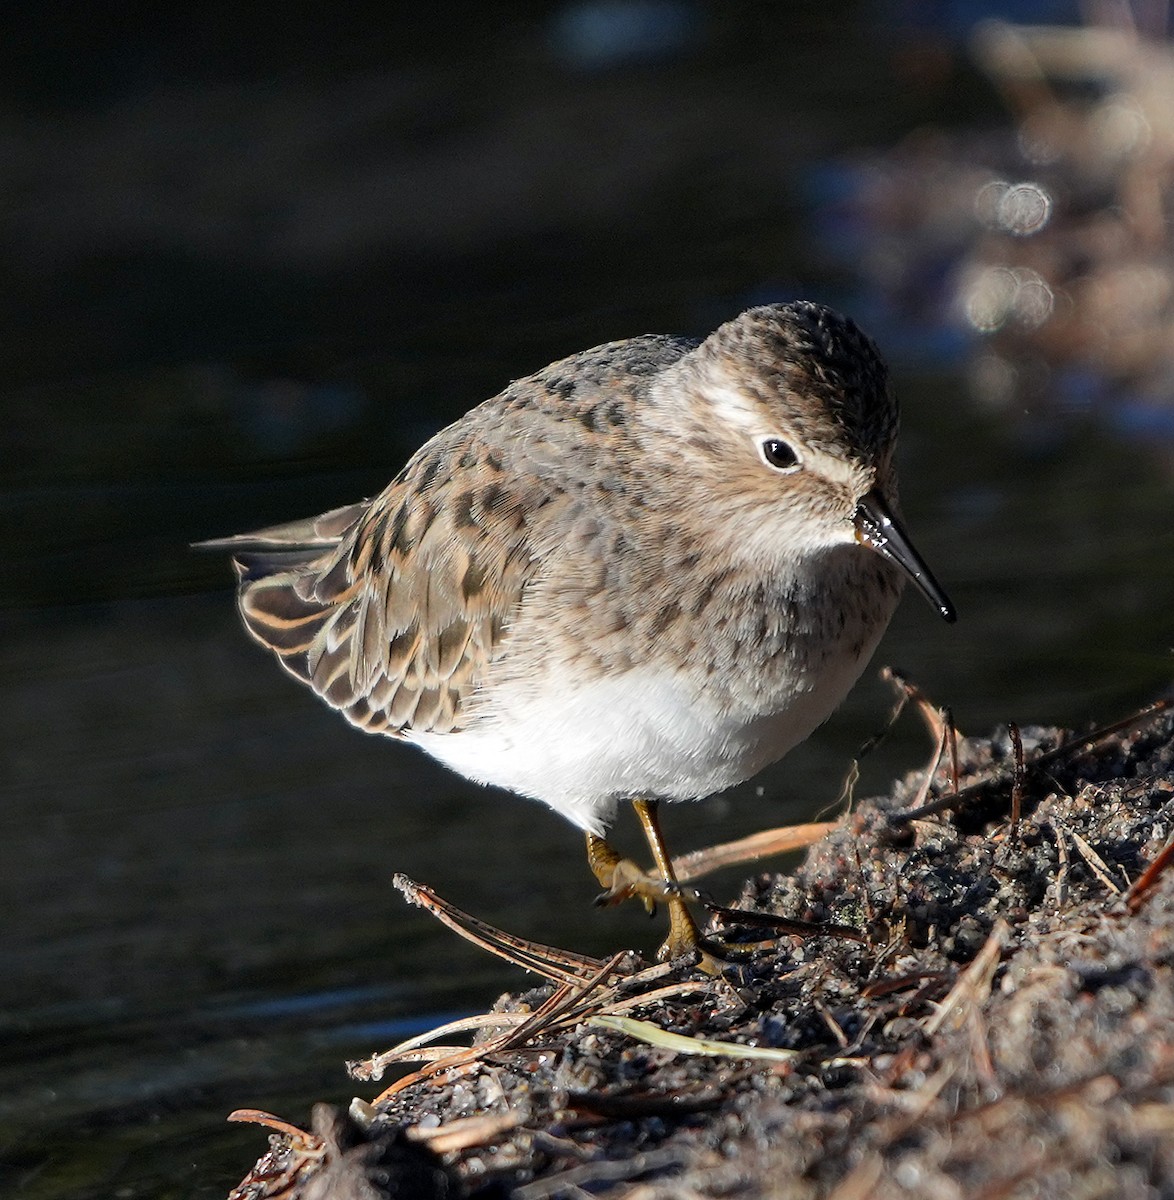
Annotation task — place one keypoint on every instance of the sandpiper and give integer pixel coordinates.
(643, 573)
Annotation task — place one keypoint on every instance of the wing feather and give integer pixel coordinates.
(392, 610)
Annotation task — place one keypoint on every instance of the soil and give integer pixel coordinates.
(1006, 1028)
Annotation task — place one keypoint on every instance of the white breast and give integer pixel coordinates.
(639, 733)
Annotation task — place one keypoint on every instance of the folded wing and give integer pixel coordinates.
(393, 609)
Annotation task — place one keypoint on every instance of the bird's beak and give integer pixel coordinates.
(879, 530)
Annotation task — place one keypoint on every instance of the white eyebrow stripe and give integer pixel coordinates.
(742, 412)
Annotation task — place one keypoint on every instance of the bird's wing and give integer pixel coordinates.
(392, 610)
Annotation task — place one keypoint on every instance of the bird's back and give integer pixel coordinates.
(393, 609)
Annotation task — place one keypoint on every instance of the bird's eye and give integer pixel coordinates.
(779, 454)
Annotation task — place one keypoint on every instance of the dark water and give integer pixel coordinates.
(247, 273)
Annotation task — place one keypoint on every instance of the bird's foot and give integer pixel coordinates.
(622, 879)
(685, 940)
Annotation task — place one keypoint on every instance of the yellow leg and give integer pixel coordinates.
(623, 879)
(684, 936)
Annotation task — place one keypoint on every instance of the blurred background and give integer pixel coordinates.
(246, 268)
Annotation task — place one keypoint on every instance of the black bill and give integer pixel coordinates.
(877, 528)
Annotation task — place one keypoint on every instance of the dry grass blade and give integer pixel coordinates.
(974, 984)
(901, 983)
(546, 1018)
(280, 1174)
(571, 1004)
(373, 1068)
(586, 986)
(937, 720)
(1096, 864)
(791, 925)
(672, 991)
(566, 1183)
(559, 966)
(1145, 883)
(566, 1007)
(568, 1001)
(468, 1057)
(255, 1116)
(1063, 864)
(1018, 779)
(466, 1132)
(945, 729)
(959, 799)
(653, 1035)
(769, 842)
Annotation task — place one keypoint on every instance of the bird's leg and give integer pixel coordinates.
(622, 879)
(684, 936)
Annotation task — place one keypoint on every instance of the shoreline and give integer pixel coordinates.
(1004, 1029)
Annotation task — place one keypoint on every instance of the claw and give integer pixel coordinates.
(622, 879)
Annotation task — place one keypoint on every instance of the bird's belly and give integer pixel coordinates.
(580, 749)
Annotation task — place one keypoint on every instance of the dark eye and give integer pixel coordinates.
(778, 454)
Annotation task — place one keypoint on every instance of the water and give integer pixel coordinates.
(236, 296)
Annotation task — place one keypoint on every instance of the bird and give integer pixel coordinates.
(643, 573)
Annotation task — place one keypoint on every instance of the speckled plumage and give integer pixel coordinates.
(595, 585)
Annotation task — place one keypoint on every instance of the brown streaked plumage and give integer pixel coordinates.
(644, 572)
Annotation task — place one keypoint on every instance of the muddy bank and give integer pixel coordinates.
(1005, 1028)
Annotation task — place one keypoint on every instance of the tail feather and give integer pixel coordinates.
(251, 565)
(321, 532)
(282, 571)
